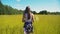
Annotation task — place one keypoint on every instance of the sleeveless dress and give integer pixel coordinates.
(28, 23)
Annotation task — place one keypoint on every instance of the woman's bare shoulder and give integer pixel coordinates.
(32, 14)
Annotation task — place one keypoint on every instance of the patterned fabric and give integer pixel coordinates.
(28, 27)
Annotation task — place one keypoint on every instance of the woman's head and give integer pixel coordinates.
(27, 10)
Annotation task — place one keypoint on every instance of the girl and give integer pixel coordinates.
(28, 19)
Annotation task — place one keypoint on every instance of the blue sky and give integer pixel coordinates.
(35, 5)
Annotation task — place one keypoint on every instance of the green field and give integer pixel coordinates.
(43, 24)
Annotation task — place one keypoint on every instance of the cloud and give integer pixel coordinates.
(18, 6)
(17, 0)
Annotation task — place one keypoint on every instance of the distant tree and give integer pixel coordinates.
(34, 12)
(58, 13)
(20, 12)
(1, 3)
(1, 8)
(43, 12)
(8, 9)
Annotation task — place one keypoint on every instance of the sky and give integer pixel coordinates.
(35, 5)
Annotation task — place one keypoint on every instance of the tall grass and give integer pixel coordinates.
(43, 24)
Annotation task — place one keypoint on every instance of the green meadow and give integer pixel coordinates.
(43, 24)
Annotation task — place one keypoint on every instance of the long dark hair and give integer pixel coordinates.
(27, 10)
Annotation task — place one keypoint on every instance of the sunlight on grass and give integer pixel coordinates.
(44, 24)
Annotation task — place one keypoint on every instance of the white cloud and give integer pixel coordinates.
(19, 6)
(18, 0)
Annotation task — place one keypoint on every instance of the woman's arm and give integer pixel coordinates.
(33, 18)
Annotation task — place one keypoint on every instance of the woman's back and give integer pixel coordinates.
(26, 17)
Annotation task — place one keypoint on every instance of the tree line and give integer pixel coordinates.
(45, 12)
(8, 10)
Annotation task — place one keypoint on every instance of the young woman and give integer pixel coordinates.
(28, 18)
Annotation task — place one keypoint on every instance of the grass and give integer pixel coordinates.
(43, 24)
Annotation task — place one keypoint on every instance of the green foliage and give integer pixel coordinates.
(43, 12)
(34, 12)
(7, 10)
